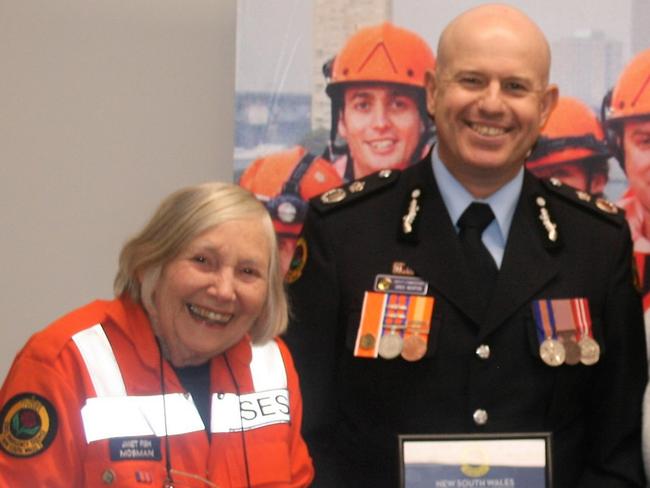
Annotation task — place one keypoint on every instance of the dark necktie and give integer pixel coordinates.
(475, 218)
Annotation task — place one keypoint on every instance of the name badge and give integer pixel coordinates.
(135, 448)
(411, 285)
(232, 413)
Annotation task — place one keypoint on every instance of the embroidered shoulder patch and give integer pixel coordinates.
(298, 262)
(29, 425)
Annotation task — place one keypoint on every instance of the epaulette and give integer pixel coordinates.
(596, 205)
(355, 190)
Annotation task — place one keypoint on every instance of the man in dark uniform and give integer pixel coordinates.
(412, 317)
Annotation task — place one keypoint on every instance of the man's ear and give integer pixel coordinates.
(548, 102)
(430, 89)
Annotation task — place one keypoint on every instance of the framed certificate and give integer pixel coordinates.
(521, 460)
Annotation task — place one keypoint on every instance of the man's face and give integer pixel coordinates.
(636, 147)
(382, 126)
(490, 100)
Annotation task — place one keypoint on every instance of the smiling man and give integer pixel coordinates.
(477, 299)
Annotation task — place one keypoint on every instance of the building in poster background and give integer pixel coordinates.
(640, 22)
(585, 65)
(334, 21)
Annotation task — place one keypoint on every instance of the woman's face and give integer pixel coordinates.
(211, 293)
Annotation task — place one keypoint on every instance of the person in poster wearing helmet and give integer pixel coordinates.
(627, 119)
(572, 148)
(379, 121)
(626, 115)
(376, 85)
(284, 181)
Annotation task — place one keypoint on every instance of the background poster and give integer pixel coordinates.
(282, 45)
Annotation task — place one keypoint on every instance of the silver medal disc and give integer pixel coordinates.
(390, 345)
(552, 352)
(589, 351)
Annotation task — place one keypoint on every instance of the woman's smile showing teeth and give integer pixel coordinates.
(207, 315)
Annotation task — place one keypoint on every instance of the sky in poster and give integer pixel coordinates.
(278, 63)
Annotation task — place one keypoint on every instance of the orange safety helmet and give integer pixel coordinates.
(284, 181)
(630, 99)
(382, 53)
(572, 133)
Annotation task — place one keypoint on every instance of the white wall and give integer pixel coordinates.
(106, 106)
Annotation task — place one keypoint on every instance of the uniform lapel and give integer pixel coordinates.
(441, 260)
(527, 265)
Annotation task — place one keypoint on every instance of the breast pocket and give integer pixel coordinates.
(267, 463)
(101, 471)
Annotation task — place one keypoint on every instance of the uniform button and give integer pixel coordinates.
(108, 476)
(483, 351)
(480, 416)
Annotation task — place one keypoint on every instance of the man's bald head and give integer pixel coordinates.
(490, 21)
(489, 95)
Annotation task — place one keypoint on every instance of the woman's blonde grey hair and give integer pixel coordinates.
(180, 218)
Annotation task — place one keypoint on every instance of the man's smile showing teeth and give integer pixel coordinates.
(486, 130)
(208, 315)
(382, 145)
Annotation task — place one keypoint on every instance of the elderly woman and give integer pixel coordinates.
(178, 381)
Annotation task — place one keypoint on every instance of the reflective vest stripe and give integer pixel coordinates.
(100, 361)
(129, 416)
(113, 413)
(267, 367)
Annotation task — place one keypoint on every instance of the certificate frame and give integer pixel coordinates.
(439, 453)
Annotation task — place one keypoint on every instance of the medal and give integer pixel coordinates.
(414, 348)
(589, 351)
(390, 345)
(571, 348)
(393, 324)
(569, 319)
(589, 348)
(552, 352)
(567, 328)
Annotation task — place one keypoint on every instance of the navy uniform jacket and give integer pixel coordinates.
(355, 408)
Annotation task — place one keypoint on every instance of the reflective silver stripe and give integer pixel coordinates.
(268, 405)
(115, 414)
(267, 367)
(100, 361)
(127, 416)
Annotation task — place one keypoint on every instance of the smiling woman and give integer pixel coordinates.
(151, 386)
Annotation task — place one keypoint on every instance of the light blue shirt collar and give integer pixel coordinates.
(503, 203)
